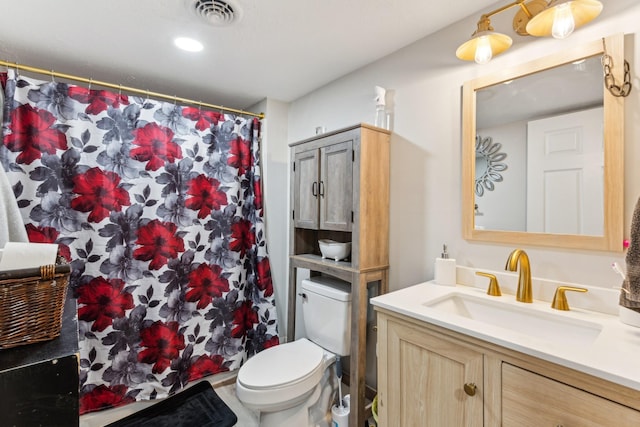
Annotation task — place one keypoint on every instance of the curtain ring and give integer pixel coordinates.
(147, 100)
(90, 81)
(53, 80)
(120, 90)
(175, 100)
(17, 68)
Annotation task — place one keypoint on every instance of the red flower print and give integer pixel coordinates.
(155, 146)
(244, 317)
(242, 238)
(32, 135)
(203, 119)
(98, 100)
(103, 397)
(101, 300)
(206, 282)
(271, 342)
(99, 193)
(240, 155)
(205, 195)
(163, 344)
(159, 242)
(257, 193)
(264, 277)
(47, 235)
(206, 365)
(41, 234)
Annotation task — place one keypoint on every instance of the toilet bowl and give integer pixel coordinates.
(294, 384)
(289, 385)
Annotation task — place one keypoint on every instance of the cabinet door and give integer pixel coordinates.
(336, 186)
(305, 209)
(424, 379)
(529, 399)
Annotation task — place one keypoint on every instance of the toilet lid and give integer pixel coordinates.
(281, 365)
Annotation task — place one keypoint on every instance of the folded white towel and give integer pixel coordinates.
(11, 224)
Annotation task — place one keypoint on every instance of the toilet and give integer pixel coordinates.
(294, 384)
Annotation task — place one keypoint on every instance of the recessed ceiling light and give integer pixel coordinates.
(190, 45)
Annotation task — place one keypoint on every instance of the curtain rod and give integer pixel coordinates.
(126, 88)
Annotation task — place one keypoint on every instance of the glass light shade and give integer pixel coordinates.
(563, 22)
(582, 11)
(483, 50)
(483, 46)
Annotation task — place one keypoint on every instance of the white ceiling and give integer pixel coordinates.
(281, 49)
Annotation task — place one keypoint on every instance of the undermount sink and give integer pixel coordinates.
(520, 318)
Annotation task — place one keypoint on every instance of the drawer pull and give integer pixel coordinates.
(470, 389)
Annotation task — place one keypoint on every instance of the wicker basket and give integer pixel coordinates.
(31, 304)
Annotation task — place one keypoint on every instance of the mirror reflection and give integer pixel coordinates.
(489, 165)
(551, 122)
(562, 183)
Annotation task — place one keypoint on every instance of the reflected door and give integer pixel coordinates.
(565, 180)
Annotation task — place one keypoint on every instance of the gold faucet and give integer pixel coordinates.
(524, 292)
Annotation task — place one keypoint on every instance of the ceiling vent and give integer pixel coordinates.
(216, 12)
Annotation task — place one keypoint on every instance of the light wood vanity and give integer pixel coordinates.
(433, 375)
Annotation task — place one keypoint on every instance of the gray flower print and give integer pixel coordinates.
(170, 115)
(126, 370)
(116, 159)
(54, 98)
(55, 211)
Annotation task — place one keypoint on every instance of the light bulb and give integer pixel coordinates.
(484, 53)
(563, 22)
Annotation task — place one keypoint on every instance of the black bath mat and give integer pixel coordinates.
(197, 406)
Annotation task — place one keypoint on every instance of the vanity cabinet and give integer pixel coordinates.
(340, 191)
(422, 378)
(424, 373)
(532, 400)
(323, 183)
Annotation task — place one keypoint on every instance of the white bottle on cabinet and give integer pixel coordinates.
(445, 269)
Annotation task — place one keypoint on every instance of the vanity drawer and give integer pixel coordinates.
(529, 399)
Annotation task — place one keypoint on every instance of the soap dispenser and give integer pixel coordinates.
(445, 269)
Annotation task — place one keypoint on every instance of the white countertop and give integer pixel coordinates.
(614, 355)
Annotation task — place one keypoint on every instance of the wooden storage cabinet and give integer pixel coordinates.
(340, 191)
(323, 184)
(422, 369)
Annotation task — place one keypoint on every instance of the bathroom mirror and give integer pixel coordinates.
(525, 216)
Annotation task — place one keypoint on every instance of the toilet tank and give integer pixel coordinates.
(326, 310)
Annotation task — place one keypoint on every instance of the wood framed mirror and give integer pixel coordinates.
(537, 205)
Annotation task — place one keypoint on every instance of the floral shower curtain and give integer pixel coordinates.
(158, 207)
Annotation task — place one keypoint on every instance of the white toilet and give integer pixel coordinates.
(294, 384)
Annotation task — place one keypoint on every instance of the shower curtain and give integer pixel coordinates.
(158, 208)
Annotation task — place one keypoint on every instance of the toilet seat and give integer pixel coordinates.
(281, 377)
(282, 366)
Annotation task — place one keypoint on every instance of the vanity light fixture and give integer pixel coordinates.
(535, 17)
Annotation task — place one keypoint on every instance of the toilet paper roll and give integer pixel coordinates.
(18, 255)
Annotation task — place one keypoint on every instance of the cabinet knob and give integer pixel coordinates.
(470, 389)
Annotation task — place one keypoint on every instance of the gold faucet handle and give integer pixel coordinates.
(560, 299)
(494, 288)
